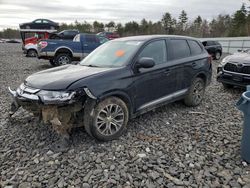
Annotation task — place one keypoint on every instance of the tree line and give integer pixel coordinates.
(237, 24)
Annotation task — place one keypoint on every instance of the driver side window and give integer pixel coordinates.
(156, 50)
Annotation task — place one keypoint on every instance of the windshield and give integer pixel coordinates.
(111, 54)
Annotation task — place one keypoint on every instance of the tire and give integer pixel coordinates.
(227, 86)
(52, 62)
(196, 93)
(107, 120)
(62, 59)
(217, 55)
(32, 53)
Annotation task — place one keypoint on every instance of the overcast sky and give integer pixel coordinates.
(13, 12)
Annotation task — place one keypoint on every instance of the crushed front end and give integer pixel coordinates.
(62, 109)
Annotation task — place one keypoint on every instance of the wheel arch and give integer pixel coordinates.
(203, 76)
(64, 49)
(121, 95)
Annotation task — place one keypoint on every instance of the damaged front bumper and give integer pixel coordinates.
(56, 107)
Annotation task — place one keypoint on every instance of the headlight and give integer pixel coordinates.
(55, 96)
(223, 62)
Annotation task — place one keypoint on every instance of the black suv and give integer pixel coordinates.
(65, 34)
(119, 80)
(214, 48)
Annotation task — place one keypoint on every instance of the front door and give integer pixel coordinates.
(154, 84)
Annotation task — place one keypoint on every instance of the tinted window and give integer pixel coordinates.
(38, 21)
(194, 47)
(210, 43)
(91, 39)
(155, 50)
(179, 48)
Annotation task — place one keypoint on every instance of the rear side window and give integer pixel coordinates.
(179, 49)
(194, 47)
(91, 39)
(156, 50)
(210, 43)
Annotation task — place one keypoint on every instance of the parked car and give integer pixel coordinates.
(214, 48)
(234, 70)
(109, 35)
(40, 24)
(61, 52)
(119, 80)
(65, 35)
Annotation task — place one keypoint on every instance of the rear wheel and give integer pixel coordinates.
(32, 53)
(62, 59)
(107, 120)
(196, 93)
(217, 55)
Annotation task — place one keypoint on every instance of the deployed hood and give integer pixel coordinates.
(239, 58)
(60, 78)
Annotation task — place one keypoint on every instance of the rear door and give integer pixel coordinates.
(179, 60)
(90, 43)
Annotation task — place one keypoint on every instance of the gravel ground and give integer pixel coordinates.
(172, 146)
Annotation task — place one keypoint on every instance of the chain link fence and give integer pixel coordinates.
(232, 44)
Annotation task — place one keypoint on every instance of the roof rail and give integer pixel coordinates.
(38, 30)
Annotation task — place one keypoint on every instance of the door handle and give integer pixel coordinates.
(166, 72)
(194, 64)
(85, 45)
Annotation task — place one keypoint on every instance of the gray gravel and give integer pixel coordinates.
(172, 146)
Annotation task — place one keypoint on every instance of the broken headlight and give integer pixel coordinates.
(55, 96)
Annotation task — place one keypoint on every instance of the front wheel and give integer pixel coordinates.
(107, 120)
(62, 59)
(52, 62)
(196, 93)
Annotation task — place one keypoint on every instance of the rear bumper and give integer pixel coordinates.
(233, 79)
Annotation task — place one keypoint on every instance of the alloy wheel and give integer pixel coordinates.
(63, 60)
(198, 92)
(110, 119)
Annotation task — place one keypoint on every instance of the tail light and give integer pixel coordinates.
(43, 44)
(210, 59)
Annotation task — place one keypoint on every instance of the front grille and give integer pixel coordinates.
(232, 67)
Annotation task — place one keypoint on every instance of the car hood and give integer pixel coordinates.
(239, 58)
(60, 78)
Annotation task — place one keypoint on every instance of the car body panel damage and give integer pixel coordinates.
(61, 118)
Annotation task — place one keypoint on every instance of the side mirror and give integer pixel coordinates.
(145, 62)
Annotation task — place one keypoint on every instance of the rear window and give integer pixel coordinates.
(179, 49)
(194, 47)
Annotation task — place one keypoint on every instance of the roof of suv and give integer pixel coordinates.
(149, 37)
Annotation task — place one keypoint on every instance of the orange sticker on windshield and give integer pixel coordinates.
(120, 53)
